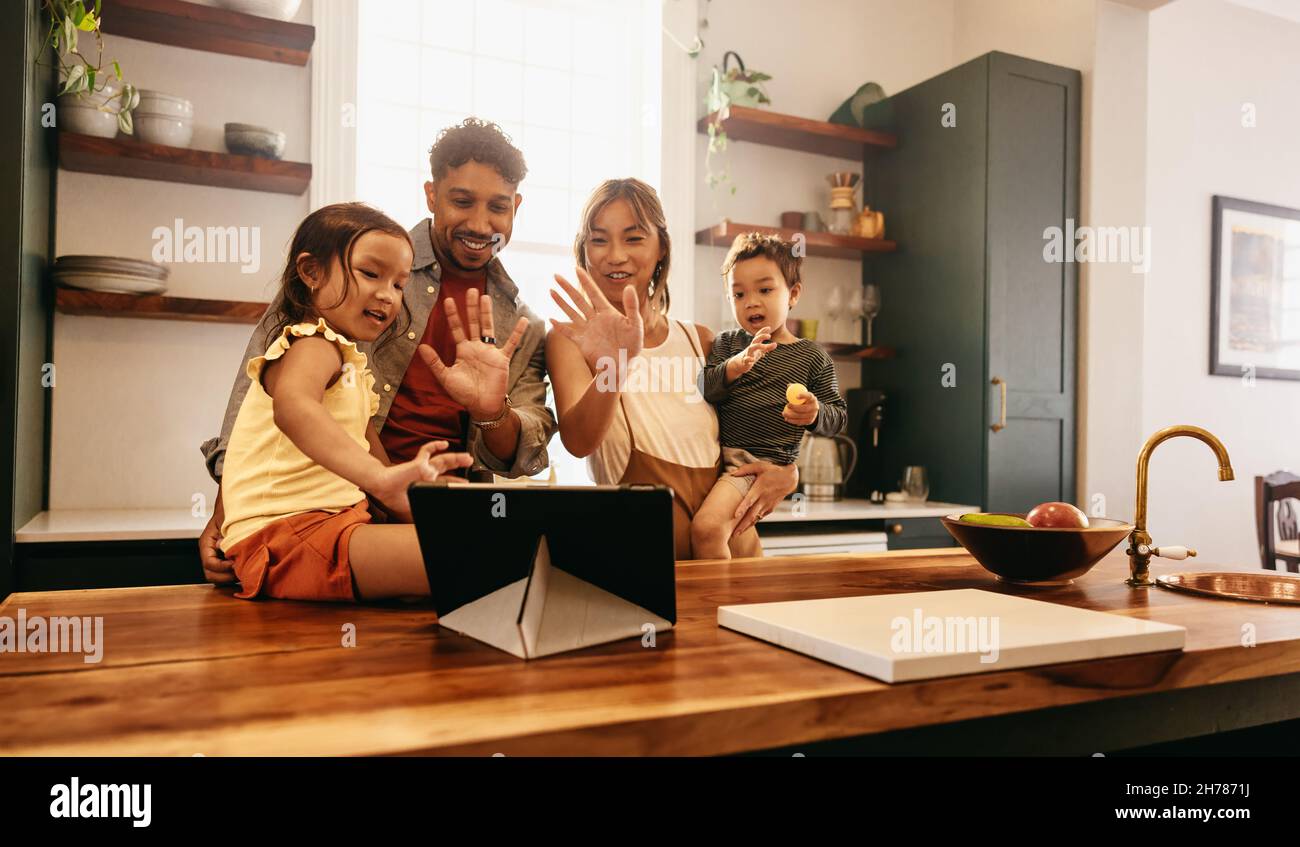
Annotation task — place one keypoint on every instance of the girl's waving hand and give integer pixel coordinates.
(390, 484)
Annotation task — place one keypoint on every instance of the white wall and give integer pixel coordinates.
(818, 53)
(1111, 317)
(1059, 31)
(134, 398)
(1207, 59)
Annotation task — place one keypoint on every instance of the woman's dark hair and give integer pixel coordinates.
(329, 234)
(482, 141)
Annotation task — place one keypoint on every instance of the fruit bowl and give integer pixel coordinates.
(1038, 555)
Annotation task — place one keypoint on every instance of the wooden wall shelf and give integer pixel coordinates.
(839, 350)
(818, 243)
(128, 157)
(809, 136)
(75, 301)
(182, 24)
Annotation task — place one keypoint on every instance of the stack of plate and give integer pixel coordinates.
(111, 273)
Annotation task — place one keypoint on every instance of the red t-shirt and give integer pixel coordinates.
(422, 411)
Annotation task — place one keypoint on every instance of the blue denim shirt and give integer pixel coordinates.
(526, 383)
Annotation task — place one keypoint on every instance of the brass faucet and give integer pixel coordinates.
(1139, 549)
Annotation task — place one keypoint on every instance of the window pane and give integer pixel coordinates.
(547, 93)
(599, 42)
(498, 90)
(548, 38)
(394, 73)
(599, 106)
(389, 135)
(499, 30)
(545, 216)
(447, 80)
(397, 192)
(447, 23)
(596, 159)
(381, 17)
(547, 154)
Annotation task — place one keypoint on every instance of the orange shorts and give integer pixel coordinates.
(301, 557)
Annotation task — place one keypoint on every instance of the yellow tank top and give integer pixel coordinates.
(266, 476)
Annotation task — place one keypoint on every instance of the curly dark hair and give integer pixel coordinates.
(482, 141)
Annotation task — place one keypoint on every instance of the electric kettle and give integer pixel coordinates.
(825, 464)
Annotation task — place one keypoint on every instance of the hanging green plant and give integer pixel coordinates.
(78, 75)
(730, 87)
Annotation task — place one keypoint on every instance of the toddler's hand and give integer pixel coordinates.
(744, 361)
(391, 482)
(803, 414)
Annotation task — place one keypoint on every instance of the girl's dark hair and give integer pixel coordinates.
(329, 234)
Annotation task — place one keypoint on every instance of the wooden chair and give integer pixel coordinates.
(1273, 496)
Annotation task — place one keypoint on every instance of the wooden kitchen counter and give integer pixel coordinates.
(190, 669)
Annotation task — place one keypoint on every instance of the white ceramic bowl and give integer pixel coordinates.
(249, 140)
(279, 10)
(73, 116)
(107, 91)
(160, 129)
(169, 105)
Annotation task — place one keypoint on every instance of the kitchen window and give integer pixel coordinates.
(574, 83)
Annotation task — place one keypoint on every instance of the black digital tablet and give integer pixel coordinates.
(535, 569)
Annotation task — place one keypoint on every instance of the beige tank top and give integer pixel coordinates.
(670, 418)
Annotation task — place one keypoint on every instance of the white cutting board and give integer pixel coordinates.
(929, 634)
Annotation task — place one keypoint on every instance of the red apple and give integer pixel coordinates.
(1057, 515)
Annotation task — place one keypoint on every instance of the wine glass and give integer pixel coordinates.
(835, 309)
(915, 484)
(870, 306)
(854, 310)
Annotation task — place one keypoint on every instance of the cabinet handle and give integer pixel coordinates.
(1002, 415)
(895, 529)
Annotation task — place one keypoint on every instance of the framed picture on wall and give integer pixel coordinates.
(1255, 290)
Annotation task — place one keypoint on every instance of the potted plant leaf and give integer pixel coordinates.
(93, 98)
(731, 86)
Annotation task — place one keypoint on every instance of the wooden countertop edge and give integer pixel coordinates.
(710, 728)
(845, 715)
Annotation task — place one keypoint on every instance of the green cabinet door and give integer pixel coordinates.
(1033, 180)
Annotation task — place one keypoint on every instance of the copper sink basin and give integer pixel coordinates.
(1257, 587)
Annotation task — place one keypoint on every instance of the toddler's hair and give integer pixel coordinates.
(751, 245)
(329, 234)
(482, 141)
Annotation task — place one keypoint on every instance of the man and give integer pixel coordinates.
(431, 386)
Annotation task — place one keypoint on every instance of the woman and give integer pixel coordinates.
(625, 376)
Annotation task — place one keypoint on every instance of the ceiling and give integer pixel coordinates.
(1288, 9)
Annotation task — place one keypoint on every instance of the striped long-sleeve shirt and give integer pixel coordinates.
(749, 410)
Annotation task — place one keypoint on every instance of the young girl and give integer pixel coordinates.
(302, 454)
